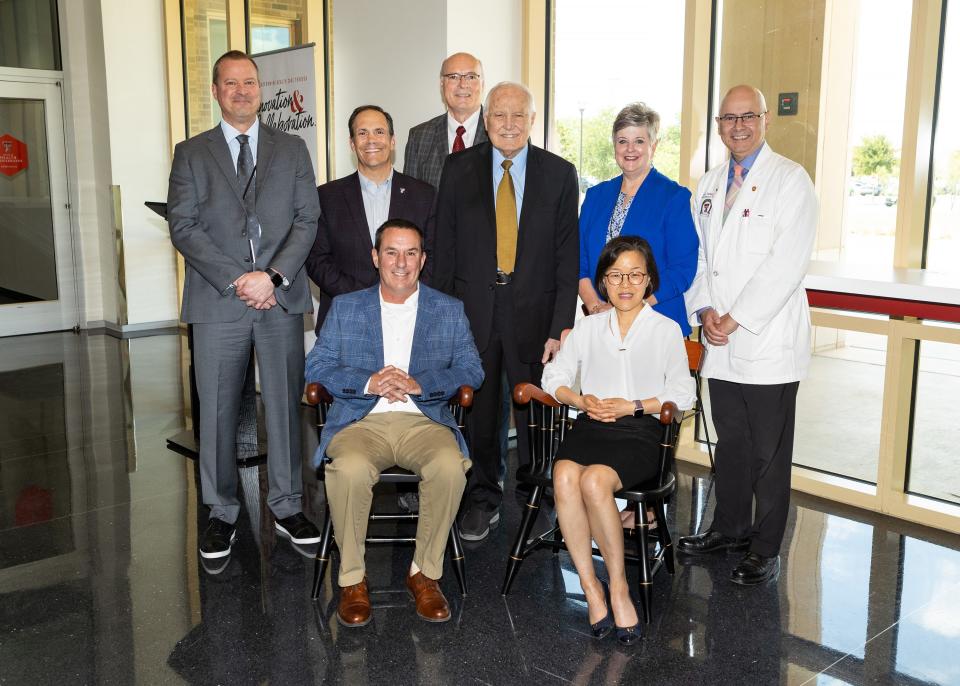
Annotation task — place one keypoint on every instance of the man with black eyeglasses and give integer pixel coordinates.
(756, 218)
(461, 126)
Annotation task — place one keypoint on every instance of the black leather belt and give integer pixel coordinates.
(503, 279)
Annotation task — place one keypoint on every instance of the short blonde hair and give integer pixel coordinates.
(638, 114)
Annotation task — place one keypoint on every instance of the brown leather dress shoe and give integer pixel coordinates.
(354, 607)
(431, 605)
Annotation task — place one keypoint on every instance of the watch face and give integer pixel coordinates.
(277, 279)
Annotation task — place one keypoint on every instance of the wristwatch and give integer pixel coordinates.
(278, 279)
(637, 408)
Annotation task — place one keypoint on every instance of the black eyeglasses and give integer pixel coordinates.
(454, 77)
(747, 118)
(616, 278)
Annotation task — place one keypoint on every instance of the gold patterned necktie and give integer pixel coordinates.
(506, 221)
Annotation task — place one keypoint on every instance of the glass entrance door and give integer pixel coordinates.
(37, 281)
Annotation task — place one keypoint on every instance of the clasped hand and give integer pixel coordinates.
(393, 384)
(255, 289)
(606, 410)
(717, 329)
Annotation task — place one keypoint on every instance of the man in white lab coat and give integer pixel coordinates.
(756, 216)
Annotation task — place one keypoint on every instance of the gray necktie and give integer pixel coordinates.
(247, 178)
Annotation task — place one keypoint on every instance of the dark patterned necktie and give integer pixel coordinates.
(247, 177)
(458, 143)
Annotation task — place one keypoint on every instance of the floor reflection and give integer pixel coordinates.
(100, 579)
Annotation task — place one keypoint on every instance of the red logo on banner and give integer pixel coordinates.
(13, 155)
(296, 102)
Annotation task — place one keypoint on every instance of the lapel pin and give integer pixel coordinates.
(404, 190)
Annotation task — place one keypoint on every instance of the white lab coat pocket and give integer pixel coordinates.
(758, 235)
(770, 344)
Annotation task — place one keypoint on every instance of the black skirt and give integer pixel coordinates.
(630, 446)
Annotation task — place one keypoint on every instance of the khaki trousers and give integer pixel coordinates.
(403, 439)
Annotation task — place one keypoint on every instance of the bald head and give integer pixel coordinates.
(461, 84)
(745, 93)
(742, 138)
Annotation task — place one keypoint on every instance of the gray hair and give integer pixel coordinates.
(531, 103)
(638, 114)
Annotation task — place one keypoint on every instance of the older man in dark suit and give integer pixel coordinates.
(507, 245)
(353, 207)
(461, 126)
(243, 211)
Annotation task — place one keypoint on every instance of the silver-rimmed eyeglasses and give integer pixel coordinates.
(747, 118)
(454, 77)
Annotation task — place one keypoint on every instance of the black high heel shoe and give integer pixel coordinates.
(603, 628)
(628, 635)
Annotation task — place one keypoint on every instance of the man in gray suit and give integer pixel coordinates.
(242, 208)
(429, 143)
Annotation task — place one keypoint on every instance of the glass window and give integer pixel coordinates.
(839, 404)
(607, 54)
(943, 238)
(275, 25)
(934, 460)
(28, 261)
(879, 50)
(29, 34)
(204, 40)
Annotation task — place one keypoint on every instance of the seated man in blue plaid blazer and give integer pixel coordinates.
(392, 356)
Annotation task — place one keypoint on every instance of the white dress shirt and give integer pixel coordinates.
(398, 323)
(651, 362)
(471, 129)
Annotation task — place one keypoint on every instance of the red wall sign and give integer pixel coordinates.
(13, 155)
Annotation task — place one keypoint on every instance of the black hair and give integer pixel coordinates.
(233, 55)
(396, 224)
(613, 250)
(364, 108)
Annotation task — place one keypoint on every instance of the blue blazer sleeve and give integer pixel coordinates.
(440, 384)
(681, 245)
(325, 362)
(594, 218)
(586, 215)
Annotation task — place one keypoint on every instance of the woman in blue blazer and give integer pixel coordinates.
(640, 202)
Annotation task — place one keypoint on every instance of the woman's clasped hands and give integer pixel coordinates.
(607, 409)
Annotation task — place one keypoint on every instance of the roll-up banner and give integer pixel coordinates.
(288, 88)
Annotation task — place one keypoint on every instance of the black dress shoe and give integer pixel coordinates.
(298, 529)
(217, 539)
(754, 569)
(710, 542)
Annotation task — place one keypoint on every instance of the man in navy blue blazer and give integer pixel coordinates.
(392, 356)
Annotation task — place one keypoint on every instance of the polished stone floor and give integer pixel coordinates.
(101, 582)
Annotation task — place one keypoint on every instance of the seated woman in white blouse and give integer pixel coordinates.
(631, 359)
